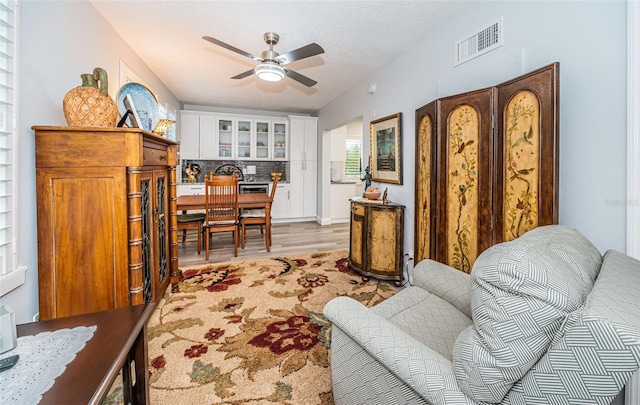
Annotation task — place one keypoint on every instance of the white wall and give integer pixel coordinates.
(588, 38)
(59, 41)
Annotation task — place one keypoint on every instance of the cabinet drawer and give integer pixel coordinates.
(357, 209)
(154, 157)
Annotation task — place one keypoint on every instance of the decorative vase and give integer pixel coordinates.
(372, 194)
(89, 105)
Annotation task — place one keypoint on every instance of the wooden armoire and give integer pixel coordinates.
(486, 167)
(107, 224)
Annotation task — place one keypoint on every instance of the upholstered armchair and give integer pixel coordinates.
(543, 319)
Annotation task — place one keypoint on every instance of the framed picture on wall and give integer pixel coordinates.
(386, 149)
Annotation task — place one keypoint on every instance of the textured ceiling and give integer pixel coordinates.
(359, 37)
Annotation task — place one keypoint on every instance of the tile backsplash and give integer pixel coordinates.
(193, 171)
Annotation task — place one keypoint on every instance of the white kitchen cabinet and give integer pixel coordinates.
(189, 189)
(304, 138)
(209, 135)
(263, 139)
(245, 145)
(197, 135)
(280, 205)
(280, 140)
(225, 137)
(271, 139)
(189, 136)
(303, 166)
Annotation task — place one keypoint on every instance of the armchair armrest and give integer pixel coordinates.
(428, 373)
(452, 285)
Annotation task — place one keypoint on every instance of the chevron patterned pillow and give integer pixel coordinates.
(522, 291)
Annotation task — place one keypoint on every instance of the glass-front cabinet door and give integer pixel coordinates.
(244, 139)
(279, 140)
(263, 135)
(225, 137)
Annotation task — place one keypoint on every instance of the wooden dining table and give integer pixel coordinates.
(245, 200)
(248, 200)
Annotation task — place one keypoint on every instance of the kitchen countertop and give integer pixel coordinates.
(241, 182)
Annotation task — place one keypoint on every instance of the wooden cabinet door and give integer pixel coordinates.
(526, 189)
(154, 211)
(82, 238)
(161, 232)
(144, 278)
(464, 180)
(385, 239)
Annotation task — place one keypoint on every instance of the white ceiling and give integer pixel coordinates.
(359, 37)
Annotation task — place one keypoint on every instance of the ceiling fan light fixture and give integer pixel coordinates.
(270, 72)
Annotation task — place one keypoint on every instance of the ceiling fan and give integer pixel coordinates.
(272, 65)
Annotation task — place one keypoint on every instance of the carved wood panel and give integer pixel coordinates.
(465, 158)
(425, 194)
(526, 191)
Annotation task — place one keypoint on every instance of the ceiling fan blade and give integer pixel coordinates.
(243, 74)
(300, 53)
(300, 78)
(231, 48)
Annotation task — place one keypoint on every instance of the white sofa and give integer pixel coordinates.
(543, 319)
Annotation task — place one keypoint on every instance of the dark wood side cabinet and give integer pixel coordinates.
(377, 240)
(107, 225)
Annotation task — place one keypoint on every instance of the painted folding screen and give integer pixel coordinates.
(486, 167)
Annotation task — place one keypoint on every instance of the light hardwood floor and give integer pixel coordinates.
(288, 239)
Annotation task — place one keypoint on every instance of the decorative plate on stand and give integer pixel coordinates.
(144, 102)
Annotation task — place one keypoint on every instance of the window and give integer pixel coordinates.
(170, 115)
(352, 166)
(7, 137)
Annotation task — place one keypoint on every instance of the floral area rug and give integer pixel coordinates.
(252, 332)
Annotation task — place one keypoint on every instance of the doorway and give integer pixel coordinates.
(345, 145)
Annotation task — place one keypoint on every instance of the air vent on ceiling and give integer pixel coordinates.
(481, 42)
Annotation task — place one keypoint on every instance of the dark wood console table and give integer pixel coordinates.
(119, 343)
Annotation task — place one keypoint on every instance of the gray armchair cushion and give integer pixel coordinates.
(425, 316)
(522, 291)
(452, 285)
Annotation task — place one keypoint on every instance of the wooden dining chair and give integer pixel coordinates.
(188, 222)
(258, 217)
(221, 206)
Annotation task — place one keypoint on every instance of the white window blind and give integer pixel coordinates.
(7, 135)
(352, 164)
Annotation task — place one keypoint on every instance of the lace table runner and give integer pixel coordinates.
(43, 357)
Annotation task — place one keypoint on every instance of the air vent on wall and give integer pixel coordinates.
(481, 42)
